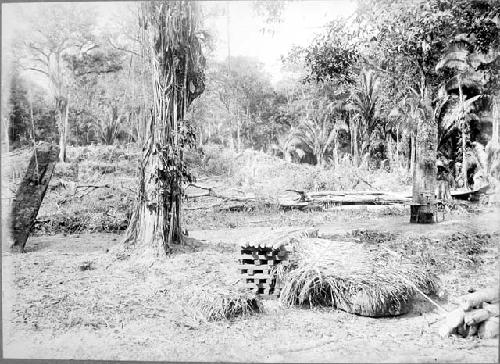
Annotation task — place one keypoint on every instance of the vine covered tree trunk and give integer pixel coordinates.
(424, 175)
(31, 192)
(170, 34)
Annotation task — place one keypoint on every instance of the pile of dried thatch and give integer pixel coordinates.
(477, 315)
(347, 276)
(219, 305)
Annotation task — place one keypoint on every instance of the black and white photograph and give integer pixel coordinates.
(260, 181)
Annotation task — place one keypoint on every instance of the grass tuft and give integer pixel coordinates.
(218, 305)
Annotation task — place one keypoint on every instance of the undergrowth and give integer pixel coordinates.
(458, 250)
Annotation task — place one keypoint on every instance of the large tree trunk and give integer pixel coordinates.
(177, 79)
(31, 192)
(423, 208)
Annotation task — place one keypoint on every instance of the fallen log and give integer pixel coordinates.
(489, 329)
(472, 300)
(31, 192)
(453, 320)
(361, 200)
(304, 200)
(379, 207)
(352, 197)
(341, 193)
(475, 317)
(493, 308)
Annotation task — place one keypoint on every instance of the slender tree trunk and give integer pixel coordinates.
(424, 174)
(62, 116)
(335, 154)
(320, 158)
(464, 157)
(397, 146)
(354, 143)
(238, 136)
(496, 121)
(413, 152)
(390, 150)
(464, 128)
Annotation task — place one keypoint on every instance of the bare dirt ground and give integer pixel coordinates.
(118, 310)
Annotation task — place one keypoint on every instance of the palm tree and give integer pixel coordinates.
(464, 63)
(172, 44)
(363, 102)
(408, 113)
(319, 128)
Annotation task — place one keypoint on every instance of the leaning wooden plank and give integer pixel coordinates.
(472, 300)
(31, 192)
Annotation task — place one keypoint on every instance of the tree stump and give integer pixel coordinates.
(422, 214)
(30, 194)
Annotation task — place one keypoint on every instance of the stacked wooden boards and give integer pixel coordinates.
(258, 267)
(262, 257)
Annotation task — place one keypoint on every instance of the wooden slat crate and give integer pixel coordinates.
(258, 265)
(259, 259)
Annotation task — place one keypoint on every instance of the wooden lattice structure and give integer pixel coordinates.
(258, 267)
(262, 258)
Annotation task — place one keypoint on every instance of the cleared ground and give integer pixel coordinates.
(118, 310)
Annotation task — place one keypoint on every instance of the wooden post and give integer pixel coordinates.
(31, 192)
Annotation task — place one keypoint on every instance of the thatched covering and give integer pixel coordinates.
(279, 238)
(347, 276)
